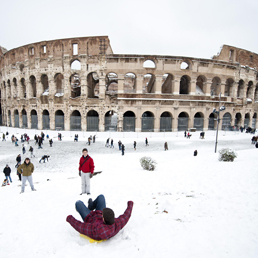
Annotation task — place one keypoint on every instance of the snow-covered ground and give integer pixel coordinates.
(188, 207)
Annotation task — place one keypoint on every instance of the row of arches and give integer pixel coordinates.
(33, 88)
(147, 120)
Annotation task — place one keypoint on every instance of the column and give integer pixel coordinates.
(120, 83)
(192, 89)
(176, 84)
(158, 84)
(207, 87)
(40, 122)
(139, 81)
(222, 88)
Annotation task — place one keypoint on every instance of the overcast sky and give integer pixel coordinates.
(194, 28)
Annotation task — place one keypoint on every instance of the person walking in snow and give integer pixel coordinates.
(94, 138)
(107, 143)
(50, 142)
(23, 149)
(86, 169)
(123, 150)
(112, 144)
(26, 169)
(7, 173)
(166, 146)
(119, 145)
(134, 145)
(3, 137)
(18, 160)
(31, 152)
(146, 142)
(99, 222)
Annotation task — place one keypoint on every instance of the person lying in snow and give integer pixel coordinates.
(45, 157)
(99, 224)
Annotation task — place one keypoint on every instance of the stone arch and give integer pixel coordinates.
(167, 83)
(211, 125)
(111, 121)
(92, 121)
(130, 83)
(45, 119)
(16, 118)
(198, 121)
(58, 79)
(166, 122)
(238, 119)
(93, 85)
(215, 86)
(34, 119)
(229, 87)
(200, 85)
(240, 89)
(33, 86)
(186, 65)
(75, 121)
(149, 83)
(24, 119)
(75, 82)
(45, 85)
(8, 90)
(247, 120)
(129, 121)
(15, 89)
(148, 121)
(184, 84)
(256, 93)
(59, 120)
(183, 119)
(111, 82)
(75, 64)
(226, 121)
(149, 64)
(249, 91)
(254, 120)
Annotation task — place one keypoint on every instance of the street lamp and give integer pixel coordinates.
(221, 108)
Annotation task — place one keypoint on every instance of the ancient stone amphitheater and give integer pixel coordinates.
(79, 84)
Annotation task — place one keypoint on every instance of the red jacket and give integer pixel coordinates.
(88, 166)
(94, 227)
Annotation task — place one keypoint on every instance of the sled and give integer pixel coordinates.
(95, 173)
(91, 240)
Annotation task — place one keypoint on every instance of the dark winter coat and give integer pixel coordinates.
(7, 171)
(18, 159)
(26, 169)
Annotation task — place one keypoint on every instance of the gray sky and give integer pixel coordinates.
(194, 28)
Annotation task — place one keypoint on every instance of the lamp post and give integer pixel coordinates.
(221, 108)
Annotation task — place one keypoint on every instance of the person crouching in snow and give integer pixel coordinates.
(4, 182)
(99, 222)
(45, 157)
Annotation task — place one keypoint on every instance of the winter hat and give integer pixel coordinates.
(108, 216)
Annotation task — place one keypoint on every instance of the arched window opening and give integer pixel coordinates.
(59, 120)
(200, 83)
(23, 87)
(15, 90)
(10, 118)
(34, 119)
(76, 65)
(166, 122)
(129, 121)
(148, 121)
(184, 66)
(183, 118)
(226, 122)
(167, 83)
(24, 119)
(211, 125)
(215, 86)
(247, 120)
(149, 83)
(111, 121)
(45, 85)
(198, 121)
(92, 121)
(229, 87)
(33, 86)
(149, 64)
(16, 118)
(59, 78)
(256, 93)
(45, 118)
(111, 83)
(8, 90)
(254, 121)
(75, 121)
(184, 85)
(249, 92)
(75, 81)
(240, 89)
(129, 83)
(93, 85)
(238, 120)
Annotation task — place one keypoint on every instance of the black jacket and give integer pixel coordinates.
(7, 171)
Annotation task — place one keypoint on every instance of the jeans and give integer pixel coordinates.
(9, 178)
(99, 204)
(24, 179)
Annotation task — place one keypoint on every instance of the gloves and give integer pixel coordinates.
(91, 175)
(80, 173)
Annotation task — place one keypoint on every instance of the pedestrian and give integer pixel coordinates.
(19, 175)
(45, 157)
(26, 169)
(36, 139)
(3, 137)
(86, 169)
(99, 222)
(119, 145)
(16, 142)
(18, 160)
(146, 142)
(185, 133)
(7, 173)
(94, 138)
(195, 153)
(166, 146)
(134, 145)
(112, 144)
(107, 142)
(23, 149)
(123, 149)
(60, 137)
(50, 142)
(89, 139)
(40, 142)
(31, 152)
(76, 138)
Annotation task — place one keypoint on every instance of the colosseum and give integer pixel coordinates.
(80, 84)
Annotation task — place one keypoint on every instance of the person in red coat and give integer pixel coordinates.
(99, 224)
(86, 169)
